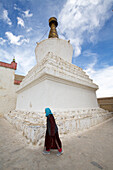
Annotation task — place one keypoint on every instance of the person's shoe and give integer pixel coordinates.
(60, 153)
(46, 152)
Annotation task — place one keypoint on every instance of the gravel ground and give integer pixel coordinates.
(88, 150)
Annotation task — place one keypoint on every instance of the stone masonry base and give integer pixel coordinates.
(33, 124)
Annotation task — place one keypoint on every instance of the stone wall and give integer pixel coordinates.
(33, 124)
(106, 103)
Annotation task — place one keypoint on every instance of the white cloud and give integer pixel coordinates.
(103, 78)
(21, 57)
(13, 39)
(17, 40)
(5, 56)
(81, 20)
(27, 14)
(20, 21)
(77, 45)
(29, 29)
(23, 63)
(16, 8)
(2, 41)
(92, 59)
(6, 18)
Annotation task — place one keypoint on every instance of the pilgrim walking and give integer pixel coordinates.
(52, 140)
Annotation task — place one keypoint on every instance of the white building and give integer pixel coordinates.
(9, 82)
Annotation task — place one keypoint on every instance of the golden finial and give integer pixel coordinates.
(14, 59)
(53, 24)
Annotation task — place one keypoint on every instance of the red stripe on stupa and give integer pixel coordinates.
(17, 82)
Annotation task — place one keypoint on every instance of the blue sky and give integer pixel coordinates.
(87, 24)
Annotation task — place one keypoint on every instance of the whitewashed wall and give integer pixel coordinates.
(7, 90)
(50, 93)
(57, 84)
(58, 47)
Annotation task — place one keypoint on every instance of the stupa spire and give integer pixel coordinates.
(53, 24)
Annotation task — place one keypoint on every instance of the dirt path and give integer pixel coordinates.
(91, 150)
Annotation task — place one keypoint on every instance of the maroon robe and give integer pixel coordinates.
(52, 140)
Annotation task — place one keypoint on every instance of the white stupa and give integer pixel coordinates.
(54, 82)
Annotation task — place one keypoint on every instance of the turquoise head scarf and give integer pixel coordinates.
(48, 112)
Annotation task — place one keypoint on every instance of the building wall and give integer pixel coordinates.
(106, 103)
(7, 90)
